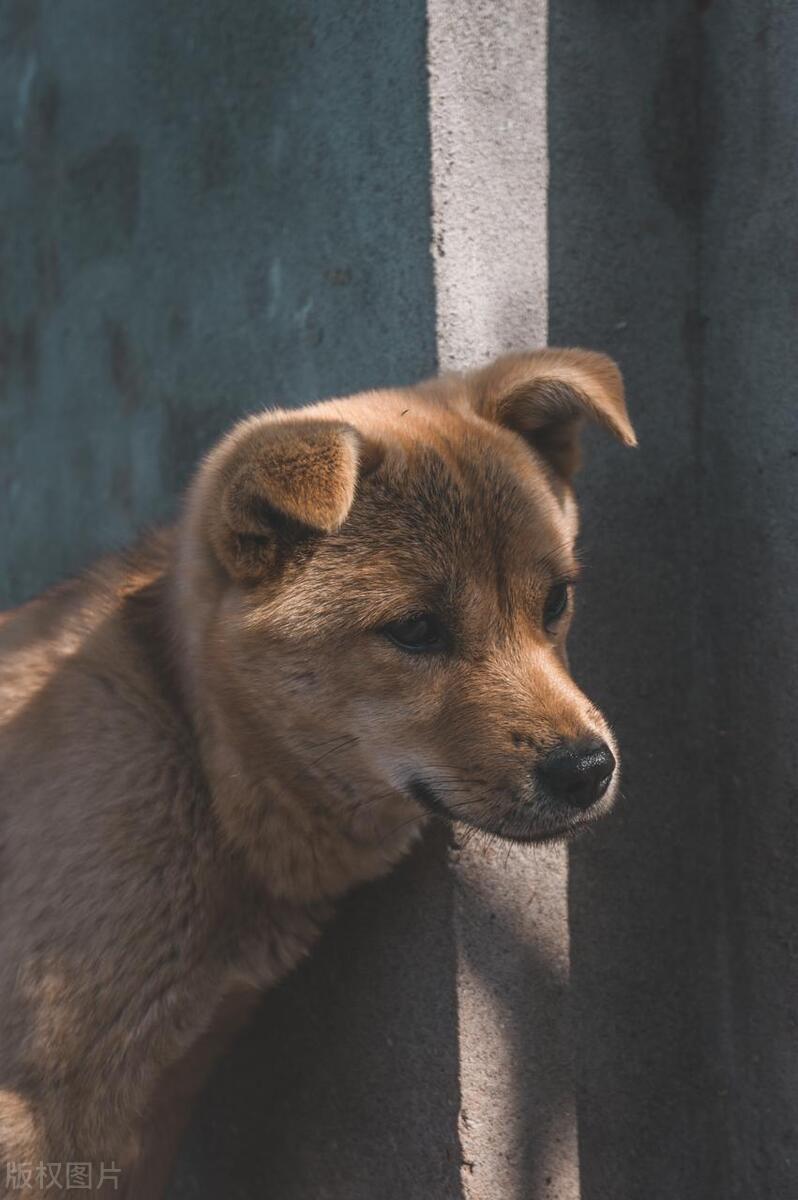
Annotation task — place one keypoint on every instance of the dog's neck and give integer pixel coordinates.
(308, 834)
(308, 829)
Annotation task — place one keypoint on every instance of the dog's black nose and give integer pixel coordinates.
(577, 773)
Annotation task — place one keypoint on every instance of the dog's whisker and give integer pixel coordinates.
(461, 785)
(386, 795)
(422, 816)
(411, 821)
(343, 742)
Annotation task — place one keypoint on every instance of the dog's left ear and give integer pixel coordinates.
(545, 395)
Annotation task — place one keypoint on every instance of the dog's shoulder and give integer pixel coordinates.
(82, 631)
(105, 823)
(93, 739)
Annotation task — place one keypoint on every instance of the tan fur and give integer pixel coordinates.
(207, 741)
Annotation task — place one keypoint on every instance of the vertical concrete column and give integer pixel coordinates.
(488, 124)
(489, 171)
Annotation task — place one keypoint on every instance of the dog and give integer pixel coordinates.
(358, 624)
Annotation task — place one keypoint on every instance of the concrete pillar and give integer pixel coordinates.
(489, 133)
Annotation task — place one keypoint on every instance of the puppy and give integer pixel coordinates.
(358, 623)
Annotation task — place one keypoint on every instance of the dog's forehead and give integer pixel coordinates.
(466, 505)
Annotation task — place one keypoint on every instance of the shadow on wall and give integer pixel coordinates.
(666, 241)
(347, 1084)
(623, 231)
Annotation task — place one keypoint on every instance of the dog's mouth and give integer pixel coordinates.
(512, 826)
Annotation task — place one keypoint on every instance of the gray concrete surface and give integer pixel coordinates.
(624, 237)
(672, 245)
(489, 174)
(489, 177)
(749, 461)
(208, 206)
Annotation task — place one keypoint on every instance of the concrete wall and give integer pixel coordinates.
(204, 207)
(624, 238)
(207, 206)
(749, 457)
(672, 223)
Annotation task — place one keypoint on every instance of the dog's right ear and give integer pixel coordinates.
(546, 395)
(275, 482)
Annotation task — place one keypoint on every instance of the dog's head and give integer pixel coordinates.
(388, 584)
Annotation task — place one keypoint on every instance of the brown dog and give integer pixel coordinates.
(359, 621)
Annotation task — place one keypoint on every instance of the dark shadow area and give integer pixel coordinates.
(346, 1083)
(626, 191)
(672, 226)
(750, 454)
(346, 1086)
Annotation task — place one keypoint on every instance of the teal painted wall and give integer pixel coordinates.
(205, 207)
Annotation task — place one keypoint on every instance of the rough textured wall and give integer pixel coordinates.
(672, 245)
(205, 207)
(749, 467)
(624, 210)
(490, 176)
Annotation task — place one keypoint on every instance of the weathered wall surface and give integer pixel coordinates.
(625, 203)
(204, 208)
(672, 245)
(749, 460)
(207, 207)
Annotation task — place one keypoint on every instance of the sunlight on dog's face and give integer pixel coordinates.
(440, 612)
(414, 654)
(465, 692)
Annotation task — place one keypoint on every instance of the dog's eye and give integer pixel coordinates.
(419, 634)
(556, 604)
